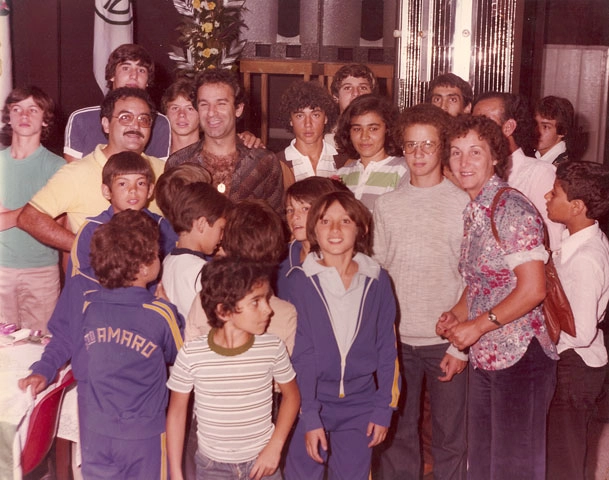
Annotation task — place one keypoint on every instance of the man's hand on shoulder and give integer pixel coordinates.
(250, 140)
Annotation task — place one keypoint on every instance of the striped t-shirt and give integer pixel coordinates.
(367, 183)
(233, 393)
(301, 164)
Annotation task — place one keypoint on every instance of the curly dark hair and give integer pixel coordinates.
(559, 109)
(220, 75)
(128, 52)
(425, 114)
(182, 87)
(254, 231)
(107, 106)
(488, 131)
(225, 281)
(451, 80)
(361, 105)
(355, 70)
(40, 98)
(517, 108)
(300, 95)
(357, 212)
(120, 247)
(588, 182)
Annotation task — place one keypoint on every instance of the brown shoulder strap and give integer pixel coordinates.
(493, 208)
(546, 239)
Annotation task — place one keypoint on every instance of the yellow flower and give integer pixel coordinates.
(207, 27)
(199, 44)
(206, 53)
(196, 4)
(211, 5)
(211, 66)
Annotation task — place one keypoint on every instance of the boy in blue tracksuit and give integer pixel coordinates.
(127, 338)
(345, 350)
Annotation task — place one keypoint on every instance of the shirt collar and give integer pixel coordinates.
(366, 265)
(554, 152)
(294, 155)
(570, 243)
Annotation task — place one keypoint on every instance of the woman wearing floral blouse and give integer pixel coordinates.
(499, 317)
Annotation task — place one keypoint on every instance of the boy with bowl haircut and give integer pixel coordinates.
(128, 184)
(579, 198)
(197, 215)
(418, 233)
(232, 371)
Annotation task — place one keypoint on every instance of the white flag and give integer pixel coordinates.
(6, 70)
(113, 27)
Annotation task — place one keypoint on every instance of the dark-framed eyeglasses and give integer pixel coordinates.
(426, 146)
(126, 118)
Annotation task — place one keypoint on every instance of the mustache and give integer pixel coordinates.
(134, 132)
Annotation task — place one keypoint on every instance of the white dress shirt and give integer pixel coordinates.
(582, 263)
(534, 179)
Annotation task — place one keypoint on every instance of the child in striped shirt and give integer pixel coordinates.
(365, 133)
(231, 371)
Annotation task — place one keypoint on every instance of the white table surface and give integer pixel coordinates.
(15, 361)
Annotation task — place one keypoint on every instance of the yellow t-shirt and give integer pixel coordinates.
(76, 189)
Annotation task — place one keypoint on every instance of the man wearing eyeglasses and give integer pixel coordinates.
(417, 238)
(129, 65)
(75, 190)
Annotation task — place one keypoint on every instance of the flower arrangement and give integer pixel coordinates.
(209, 35)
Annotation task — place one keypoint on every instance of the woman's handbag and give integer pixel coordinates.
(556, 308)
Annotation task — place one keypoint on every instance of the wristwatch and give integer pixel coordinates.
(493, 318)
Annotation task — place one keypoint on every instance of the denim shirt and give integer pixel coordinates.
(488, 270)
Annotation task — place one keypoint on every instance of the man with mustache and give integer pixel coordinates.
(129, 65)
(127, 116)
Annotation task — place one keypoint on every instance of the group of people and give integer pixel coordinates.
(308, 297)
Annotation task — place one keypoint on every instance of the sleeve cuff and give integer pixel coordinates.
(518, 258)
(382, 416)
(312, 421)
(458, 354)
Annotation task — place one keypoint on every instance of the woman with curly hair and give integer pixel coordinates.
(499, 317)
(364, 134)
(308, 111)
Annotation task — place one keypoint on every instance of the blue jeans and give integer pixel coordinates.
(208, 469)
(577, 389)
(402, 459)
(507, 411)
